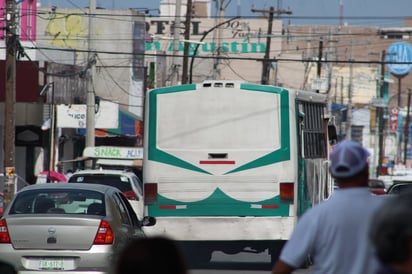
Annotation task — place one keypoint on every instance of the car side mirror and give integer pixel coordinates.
(148, 221)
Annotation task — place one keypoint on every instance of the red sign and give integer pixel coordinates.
(393, 119)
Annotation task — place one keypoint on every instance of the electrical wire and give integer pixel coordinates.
(314, 35)
(116, 82)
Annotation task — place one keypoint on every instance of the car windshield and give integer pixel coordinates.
(118, 181)
(69, 201)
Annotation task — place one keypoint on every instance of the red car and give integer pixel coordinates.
(377, 186)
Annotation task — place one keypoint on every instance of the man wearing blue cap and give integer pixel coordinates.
(334, 233)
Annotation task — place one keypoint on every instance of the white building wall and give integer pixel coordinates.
(68, 28)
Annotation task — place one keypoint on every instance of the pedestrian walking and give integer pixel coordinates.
(391, 234)
(153, 255)
(334, 233)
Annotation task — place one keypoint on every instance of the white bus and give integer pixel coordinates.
(230, 166)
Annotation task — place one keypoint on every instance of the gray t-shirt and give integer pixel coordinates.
(335, 234)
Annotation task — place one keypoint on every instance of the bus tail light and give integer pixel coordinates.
(150, 193)
(287, 193)
(4, 233)
(104, 234)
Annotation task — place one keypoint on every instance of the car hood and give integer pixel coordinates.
(52, 233)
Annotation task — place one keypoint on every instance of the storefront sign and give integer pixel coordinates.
(74, 116)
(114, 152)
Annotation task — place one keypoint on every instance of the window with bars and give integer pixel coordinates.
(314, 139)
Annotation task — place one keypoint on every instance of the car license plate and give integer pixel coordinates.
(50, 264)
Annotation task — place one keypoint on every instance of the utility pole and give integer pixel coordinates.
(319, 64)
(176, 33)
(10, 101)
(266, 68)
(185, 64)
(349, 111)
(91, 63)
(266, 61)
(216, 70)
(380, 114)
(405, 153)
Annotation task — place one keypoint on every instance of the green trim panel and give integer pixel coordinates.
(219, 204)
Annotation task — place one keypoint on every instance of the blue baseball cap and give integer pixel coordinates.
(348, 158)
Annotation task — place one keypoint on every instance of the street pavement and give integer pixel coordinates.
(244, 263)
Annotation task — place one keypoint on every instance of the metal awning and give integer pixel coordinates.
(116, 162)
(77, 159)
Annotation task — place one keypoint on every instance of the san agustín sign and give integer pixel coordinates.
(238, 36)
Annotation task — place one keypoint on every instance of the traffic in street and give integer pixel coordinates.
(181, 139)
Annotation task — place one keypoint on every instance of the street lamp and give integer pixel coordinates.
(200, 42)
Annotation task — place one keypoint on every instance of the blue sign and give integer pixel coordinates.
(399, 52)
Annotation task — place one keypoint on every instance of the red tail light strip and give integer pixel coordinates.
(173, 206)
(219, 162)
(264, 206)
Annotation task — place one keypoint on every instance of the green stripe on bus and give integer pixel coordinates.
(219, 204)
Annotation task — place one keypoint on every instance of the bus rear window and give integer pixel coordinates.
(120, 182)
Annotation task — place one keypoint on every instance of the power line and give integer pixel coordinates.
(229, 57)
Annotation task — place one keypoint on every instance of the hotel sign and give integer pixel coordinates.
(238, 36)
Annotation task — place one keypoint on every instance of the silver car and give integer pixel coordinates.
(75, 228)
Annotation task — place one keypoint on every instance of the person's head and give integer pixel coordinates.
(349, 164)
(153, 255)
(391, 230)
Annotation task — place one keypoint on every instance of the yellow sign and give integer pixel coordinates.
(10, 171)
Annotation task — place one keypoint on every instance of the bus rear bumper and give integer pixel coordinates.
(222, 228)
